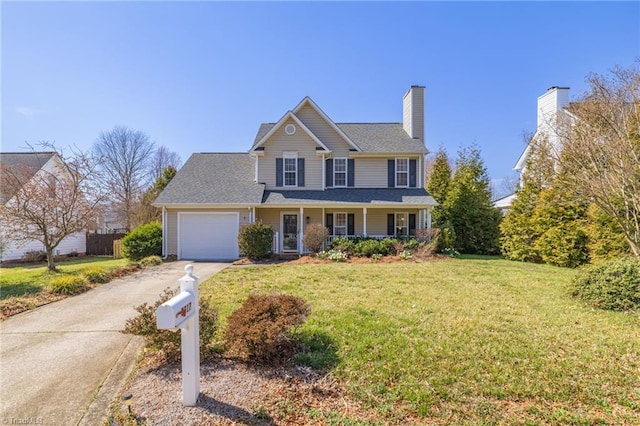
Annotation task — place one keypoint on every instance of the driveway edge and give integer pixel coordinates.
(98, 411)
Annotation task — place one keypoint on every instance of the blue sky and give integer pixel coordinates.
(202, 76)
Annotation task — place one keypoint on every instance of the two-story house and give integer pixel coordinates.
(357, 179)
(552, 106)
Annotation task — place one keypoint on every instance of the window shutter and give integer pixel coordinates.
(391, 174)
(301, 172)
(351, 172)
(412, 173)
(391, 224)
(279, 171)
(412, 224)
(329, 222)
(351, 224)
(328, 173)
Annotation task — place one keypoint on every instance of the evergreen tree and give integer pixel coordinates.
(517, 229)
(468, 205)
(438, 186)
(146, 212)
(605, 237)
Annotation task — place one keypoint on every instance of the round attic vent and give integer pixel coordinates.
(290, 129)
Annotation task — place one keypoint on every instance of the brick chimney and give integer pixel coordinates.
(413, 112)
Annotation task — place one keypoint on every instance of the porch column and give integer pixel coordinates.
(364, 221)
(300, 232)
(253, 214)
(429, 220)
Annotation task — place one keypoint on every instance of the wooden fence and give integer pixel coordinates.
(102, 244)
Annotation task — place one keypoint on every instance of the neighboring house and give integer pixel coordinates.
(28, 165)
(354, 178)
(551, 105)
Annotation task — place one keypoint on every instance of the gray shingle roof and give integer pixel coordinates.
(370, 137)
(24, 163)
(367, 196)
(214, 178)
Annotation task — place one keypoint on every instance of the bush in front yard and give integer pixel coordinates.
(258, 330)
(612, 284)
(97, 275)
(143, 241)
(69, 285)
(315, 236)
(255, 240)
(151, 261)
(167, 342)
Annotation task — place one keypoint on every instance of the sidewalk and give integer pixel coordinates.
(63, 363)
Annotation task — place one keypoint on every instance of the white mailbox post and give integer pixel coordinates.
(181, 311)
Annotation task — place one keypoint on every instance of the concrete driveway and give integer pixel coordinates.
(63, 363)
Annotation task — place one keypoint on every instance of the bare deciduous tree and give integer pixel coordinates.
(162, 159)
(125, 156)
(49, 204)
(600, 139)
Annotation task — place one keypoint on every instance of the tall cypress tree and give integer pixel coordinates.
(438, 186)
(468, 205)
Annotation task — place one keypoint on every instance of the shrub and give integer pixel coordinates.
(69, 285)
(167, 342)
(315, 236)
(255, 240)
(388, 246)
(612, 285)
(143, 241)
(259, 329)
(151, 261)
(335, 255)
(97, 275)
(367, 248)
(405, 255)
(344, 245)
(564, 245)
(34, 256)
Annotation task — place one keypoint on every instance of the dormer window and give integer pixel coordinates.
(339, 172)
(402, 172)
(290, 177)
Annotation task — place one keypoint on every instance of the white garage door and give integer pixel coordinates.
(208, 236)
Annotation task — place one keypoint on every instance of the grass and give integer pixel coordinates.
(26, 287)
(458, 341)
(33, 279)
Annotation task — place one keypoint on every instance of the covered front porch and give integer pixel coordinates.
(290, 225)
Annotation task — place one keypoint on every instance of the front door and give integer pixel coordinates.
(290, 232)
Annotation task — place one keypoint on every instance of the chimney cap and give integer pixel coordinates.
(557, 88)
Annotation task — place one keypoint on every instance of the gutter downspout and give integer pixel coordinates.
(164, 232)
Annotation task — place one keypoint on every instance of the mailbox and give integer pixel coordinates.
(175, 311)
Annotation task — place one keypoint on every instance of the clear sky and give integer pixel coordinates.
(202, 76)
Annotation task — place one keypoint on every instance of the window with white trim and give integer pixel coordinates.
(290, 169)
(339, 224)
(339, 172)
(402, 224)
(402, 172)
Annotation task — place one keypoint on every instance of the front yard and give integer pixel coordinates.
(476, 341)
(25, 287)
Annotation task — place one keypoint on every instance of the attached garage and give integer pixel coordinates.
(208, 236)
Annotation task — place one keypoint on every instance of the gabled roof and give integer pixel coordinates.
(288, 116)
(382, 137)
(415, 197)
(375, 138)
(24, 163)
(308, 101)
(214, 179)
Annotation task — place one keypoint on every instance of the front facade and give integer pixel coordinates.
(357, 179)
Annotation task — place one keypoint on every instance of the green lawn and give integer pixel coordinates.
(27, 280)
(460, 341)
